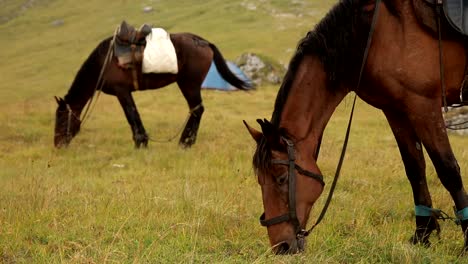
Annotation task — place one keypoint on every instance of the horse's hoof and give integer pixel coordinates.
(187, 142)
(141, 146)
(185, 145)
(141, 141)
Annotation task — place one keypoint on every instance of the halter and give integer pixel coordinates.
(70, 115)
(291, 215)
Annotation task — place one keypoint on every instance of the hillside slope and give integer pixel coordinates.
(40, 58)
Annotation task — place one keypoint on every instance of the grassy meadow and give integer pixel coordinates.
(102, 201)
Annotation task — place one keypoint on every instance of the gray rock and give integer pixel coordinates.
(260, 69)
(456, 120)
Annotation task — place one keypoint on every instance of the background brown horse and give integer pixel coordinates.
(194, 55)
(401, 77)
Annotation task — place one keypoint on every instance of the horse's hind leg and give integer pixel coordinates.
(411, 152)
(192, 94)
(430, 127)
(133, 117)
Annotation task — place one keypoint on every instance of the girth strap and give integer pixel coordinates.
(134, 69)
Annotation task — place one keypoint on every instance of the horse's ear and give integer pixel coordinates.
(256, 135)
(270, 132)
(59, 100)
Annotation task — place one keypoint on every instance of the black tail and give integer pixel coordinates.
(227, 75)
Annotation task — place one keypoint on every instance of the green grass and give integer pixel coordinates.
(102, 201)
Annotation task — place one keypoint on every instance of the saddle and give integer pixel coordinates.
(130, 43)
(129, 46)
(456, 12)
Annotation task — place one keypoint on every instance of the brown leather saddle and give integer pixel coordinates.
(130, 43)
(455, 13)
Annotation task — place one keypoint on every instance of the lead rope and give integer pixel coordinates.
(100, 82)
(191, 112)
(458, 126)
(348, 130)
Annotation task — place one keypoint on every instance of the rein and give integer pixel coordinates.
(348, 130)
(70, 115)
(100, 82)
(292, 166)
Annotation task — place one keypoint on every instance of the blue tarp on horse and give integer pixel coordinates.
(213, 79)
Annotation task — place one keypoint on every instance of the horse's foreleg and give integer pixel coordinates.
(133, 117)
(430, 127)
(189, 135)
(412, 155)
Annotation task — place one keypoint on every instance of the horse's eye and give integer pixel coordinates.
(282, 178)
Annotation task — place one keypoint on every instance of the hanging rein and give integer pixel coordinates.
(291, 216)
(292, 166)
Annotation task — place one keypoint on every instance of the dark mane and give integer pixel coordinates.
(87, 75)
(338, 40)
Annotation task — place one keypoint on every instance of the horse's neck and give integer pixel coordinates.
(78, 95)
(310, 103)
(84, 84)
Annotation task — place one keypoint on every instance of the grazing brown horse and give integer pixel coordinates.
(401, 77)
(194, 56)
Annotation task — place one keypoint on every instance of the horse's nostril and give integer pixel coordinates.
(282, 248)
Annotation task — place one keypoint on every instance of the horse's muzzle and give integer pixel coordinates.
(288, 248)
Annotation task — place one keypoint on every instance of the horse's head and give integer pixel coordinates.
(67, 123)
(288, 189)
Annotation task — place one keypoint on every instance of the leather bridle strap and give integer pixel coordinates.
(134, 68)
(70, 114)
(292, 166)
(316, 176)
(291, 216)
(439, 12)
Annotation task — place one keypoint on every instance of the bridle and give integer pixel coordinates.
(70, 115)
(291, 215)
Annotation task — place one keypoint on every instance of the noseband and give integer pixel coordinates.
(291, 216)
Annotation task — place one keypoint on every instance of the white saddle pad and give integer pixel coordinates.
(159, 55)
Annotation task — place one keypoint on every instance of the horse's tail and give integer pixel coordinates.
(227, 75)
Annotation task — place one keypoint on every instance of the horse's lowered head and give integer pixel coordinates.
(289, 187)
(67, 123)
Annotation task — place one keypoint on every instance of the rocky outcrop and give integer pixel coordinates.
(456, 121)
(260, 70)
